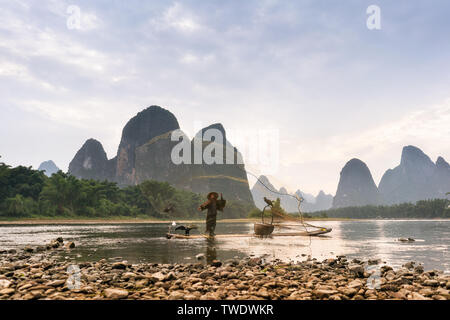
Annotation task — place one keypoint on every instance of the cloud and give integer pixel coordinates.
(20, 73)
(380, 147)
(307, 69)
(177, 17)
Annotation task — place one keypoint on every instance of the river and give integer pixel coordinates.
(365, 239)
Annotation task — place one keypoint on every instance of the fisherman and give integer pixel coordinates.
(212, 204)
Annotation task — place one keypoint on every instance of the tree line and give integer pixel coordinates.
(433, 208)
(25, 192)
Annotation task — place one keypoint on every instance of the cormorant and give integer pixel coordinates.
(269, 202)
(186, 229)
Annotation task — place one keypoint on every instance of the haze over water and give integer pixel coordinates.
(369, 239)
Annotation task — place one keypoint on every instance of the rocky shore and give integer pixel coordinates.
(37, 273)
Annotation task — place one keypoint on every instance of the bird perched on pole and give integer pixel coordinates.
(268, 201)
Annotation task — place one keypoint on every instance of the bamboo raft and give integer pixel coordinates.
(249, 235)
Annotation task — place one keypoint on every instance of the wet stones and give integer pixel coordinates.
(4, 284)
(357, 269)
(119, 265)
(28, 249)
(69, 245)
(216, 263)
(38, 276)
(419, 269)
(372, 262)
(431, 283)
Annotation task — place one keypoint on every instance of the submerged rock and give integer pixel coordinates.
(70, 245)
(200, 256)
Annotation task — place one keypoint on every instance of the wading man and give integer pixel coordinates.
(212, 204)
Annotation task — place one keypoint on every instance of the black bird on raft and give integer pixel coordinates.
(186, 229)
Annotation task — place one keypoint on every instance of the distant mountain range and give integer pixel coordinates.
(263, 188)
(145, 154)
(49, 167)
(416, 178)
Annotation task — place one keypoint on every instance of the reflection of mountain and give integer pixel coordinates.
(289, 203)
(144, 153)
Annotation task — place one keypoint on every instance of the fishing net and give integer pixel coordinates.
(284, 217)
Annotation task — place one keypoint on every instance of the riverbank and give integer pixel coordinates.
(37, 273)
(128, 220)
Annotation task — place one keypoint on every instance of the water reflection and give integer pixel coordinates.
(211, 252)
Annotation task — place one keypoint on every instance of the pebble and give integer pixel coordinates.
(42, 276)
(4, 283)
(431, 283)
(119, 265)
(115, 294)
(356, 268)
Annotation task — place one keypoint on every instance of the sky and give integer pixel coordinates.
(311, 72)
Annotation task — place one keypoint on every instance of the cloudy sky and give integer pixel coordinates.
(310, 70)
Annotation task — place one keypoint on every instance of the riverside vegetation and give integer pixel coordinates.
(28, 193)
(37, 273)
(428, 209)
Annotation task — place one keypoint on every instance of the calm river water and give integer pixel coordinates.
(147, 243)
